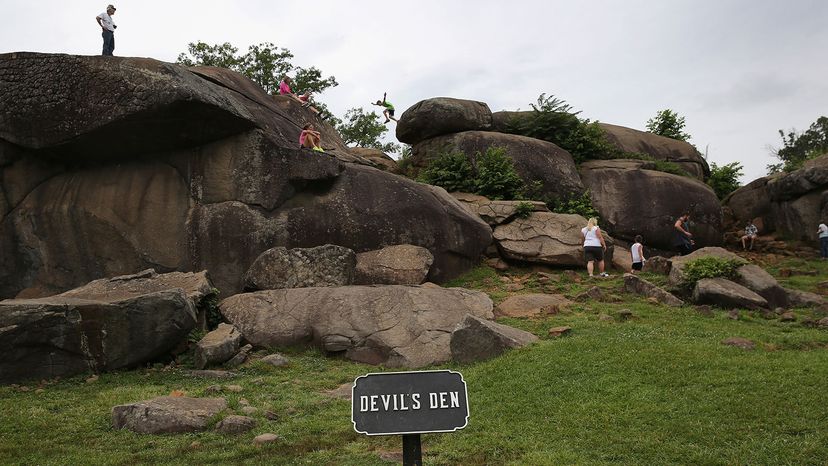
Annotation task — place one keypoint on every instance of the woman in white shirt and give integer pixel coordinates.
(823, 240)
(594, 247)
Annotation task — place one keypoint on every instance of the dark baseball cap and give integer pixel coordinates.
(110, 7)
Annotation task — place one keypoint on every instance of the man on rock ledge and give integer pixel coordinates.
(108, 26)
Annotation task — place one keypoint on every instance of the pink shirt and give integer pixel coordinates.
(284, 88)
(302, 136)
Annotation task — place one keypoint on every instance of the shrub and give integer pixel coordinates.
(580, 205)
(494, 175)
(450, 170)
(524, 209)
(710, 267)
(724, 179)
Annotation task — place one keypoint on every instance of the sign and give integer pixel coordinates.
(418, 402)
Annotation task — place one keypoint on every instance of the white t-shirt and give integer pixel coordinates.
(591, 237)
(823, 230)
(106, 21)
(636, 256)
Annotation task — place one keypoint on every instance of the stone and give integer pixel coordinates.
(249, 410)
(727, 294)
(212, 374)
(234, 388)
(239, 358)
(442, 115)
(624, 315)
(739, 342)
(265, 438)
(477, 339)
(572, 275)
(217, 346)
(393, 325)
(380, 159)
(733, 314)
(546, 238)
(593, 294)
(822, 323)
(676, 276)
(658, 264)
(279, 267)
(799, 298)
(705, 310)
(787, 317)
(605, 318)
(342, 392)
(549, 170)
(621, 259)
(167, 415)
(276, 360)
(637, 285)
(234, 425)
(750, 202)
(498, 264)
(614, 185)
(556, 332)
(402, 264)
(762, 283)
(495, 212)
(532, 305)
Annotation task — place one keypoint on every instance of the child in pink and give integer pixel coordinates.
(310, 139)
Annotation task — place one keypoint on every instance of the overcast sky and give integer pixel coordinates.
(737, 70)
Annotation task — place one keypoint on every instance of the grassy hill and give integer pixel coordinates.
(659, 388)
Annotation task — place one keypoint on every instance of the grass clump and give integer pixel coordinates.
(524, 209)
(711, 267)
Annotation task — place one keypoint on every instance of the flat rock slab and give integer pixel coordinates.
(531, 305)
(393, 325)
(235, 424)
(799, 298)
(167, 415)
(477, 339)
(637, 285)
(495, 212)
(726, 294)
(402, 264)
(195, 284)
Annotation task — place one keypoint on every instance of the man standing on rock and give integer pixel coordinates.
(108, 26)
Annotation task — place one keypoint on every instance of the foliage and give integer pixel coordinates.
(265, 63)
(799, 147)
(724, 179)
(210, 305)
(710, 267)
(580, 205)
(669, 124)
(657, 165)
(405, 164)
(363, 129)
(493, 175)
(553, 120)
(524, 209)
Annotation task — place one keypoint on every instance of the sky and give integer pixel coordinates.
(737, 70)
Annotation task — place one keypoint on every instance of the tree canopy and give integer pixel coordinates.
(724, 179)
(363, 129)
(669, 124)
(799, 147)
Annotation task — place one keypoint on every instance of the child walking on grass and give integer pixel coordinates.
(388, 113)
(637, 253)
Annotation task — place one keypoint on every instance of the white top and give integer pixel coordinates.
(636, 253)
(823, 230)
(106, 21)
(591, 237)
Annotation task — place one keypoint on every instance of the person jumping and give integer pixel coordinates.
(388, 113)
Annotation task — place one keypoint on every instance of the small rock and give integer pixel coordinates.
(92, 379)
(212, 374)
(240, 357)
(605, 318)
(705, 310)
(498, 264)
(271, 416)
(788, 317)
(235, 424)
(39, 390)
(233, 388)
(822, 323)
(276, 360)
(342, 392)
(249, 410)
(572, 275)
(505, 279)
(593, 294)
(738, 342)
(213, 389)
(808, 322)
(556, 332)
(624, 315)
(195, 445)
(244, 402)
(733, 314)
(512, 287)
(265, 438)
(24, 389)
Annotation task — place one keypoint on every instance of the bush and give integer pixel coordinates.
(524, 209)
(494, 175)
(725, 179)
(710, 267)
(580, 205)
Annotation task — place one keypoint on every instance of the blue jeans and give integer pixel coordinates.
(823, 247)
(108, 42)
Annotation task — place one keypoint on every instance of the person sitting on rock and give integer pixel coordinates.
(683, 239)
(594, 247)
(637, 254)
(388, 113)
(750, 234)
(304, 99)
(310, 139)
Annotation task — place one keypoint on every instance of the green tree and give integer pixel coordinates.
(724, 179)
(493, 174)
(450, 170)
(669, 124)
(799, 147)
(363, 129)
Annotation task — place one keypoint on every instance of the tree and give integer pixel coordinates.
(669, 124)
(725, 179)
(797, 148)
(266, 64)
(363, 129)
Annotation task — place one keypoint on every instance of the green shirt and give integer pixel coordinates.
(388, 105)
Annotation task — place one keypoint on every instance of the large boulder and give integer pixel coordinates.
(217, 346)
(93, 331)
(382, 160)
(393, 325)
(637, 285)
(725, 293)
(676, 275)
(550, 170)
(442, 115)
(402, 264)
(750, 202)
(756, 279)
(187, 169)
(495, 212)
(327, 265)
(658, 147)
(546, 238)
(476, 339)
(633, 200)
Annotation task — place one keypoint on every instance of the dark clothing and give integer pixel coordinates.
(108, 43)
(593, 253)
(681, 241)
(637, 266)
(823, 247)
(390, 111)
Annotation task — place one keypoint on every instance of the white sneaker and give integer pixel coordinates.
(603, 274)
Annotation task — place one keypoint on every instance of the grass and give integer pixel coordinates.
(657, 389)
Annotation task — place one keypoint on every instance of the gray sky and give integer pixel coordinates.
(737, 70)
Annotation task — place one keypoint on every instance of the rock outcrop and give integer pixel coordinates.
(217, 346)
(495, 212)
(326, 265)
(476, 339)
(382, 160)
(725, 293)
(442, 115)
(402, 264)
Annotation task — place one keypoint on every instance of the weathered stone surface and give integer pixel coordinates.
(749, 202)
(659, 147)
(402, 264)
(739, 342)
(762, 283)
(658, 264)
(637, 285)
(799, 298)
(799, 199)
(235, 424)
(167, 415)
(726, 294)
(382, 160)
(615, 185)
(477, 339)
(217, 346)
(240, 357)
(442, 115)
(539, 163)
(546, 238)
(212, 374)
(397, 326)
(556, 332)
(276, 360)
(327, 265)
(531, 305)
(621, 259)
(495, 212)
(265, 438)
(787, 317)
(73, 333)
(678, 262)
(822, 323)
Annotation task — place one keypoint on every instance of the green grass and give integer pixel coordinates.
(658, 389)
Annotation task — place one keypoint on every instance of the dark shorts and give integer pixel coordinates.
(593, 253)
(637, 265)
(390, 111)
